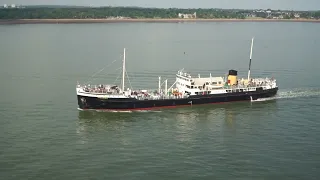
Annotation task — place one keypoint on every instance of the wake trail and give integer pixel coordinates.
(293, 93)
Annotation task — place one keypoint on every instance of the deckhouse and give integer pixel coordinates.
(185, 83)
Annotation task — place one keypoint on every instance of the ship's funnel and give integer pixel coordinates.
(232, 77)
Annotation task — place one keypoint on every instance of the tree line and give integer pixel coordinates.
(131, 12)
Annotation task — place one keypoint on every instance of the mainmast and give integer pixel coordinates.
(166, 87)
(159, 87)
(250, 59)
(123, 67)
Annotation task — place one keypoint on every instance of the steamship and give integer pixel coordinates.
(185, 91)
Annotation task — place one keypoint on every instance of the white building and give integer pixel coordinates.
(187, 16)
(5, 6)
(297, 15)
(13, 6)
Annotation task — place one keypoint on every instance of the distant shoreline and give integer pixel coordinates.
(81, 21)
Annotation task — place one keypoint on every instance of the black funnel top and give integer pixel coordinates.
(233, 72)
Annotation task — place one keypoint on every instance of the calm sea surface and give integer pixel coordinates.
(44, 136)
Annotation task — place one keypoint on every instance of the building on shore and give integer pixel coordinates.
(6, 6)
(188, 16)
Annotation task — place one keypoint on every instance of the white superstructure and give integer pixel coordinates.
(186, 84)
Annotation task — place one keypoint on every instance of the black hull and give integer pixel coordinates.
(92, 103)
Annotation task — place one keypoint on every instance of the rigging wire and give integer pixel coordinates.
(106, 74)
(129, 80)
(91, 78)
(116, 79)
(100, 70)
(116, 70)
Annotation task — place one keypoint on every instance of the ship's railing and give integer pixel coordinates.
(254, 83)
(257, 82)
(153, 94)
(97, 89)
(159, 97)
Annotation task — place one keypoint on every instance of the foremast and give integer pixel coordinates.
(123, 68)
(250, 59)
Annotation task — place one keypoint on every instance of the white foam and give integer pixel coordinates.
(119, 111)
(113, 111)
(144, 111)
(264, 99)
(293, 93)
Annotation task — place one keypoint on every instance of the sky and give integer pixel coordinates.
(225, 4)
